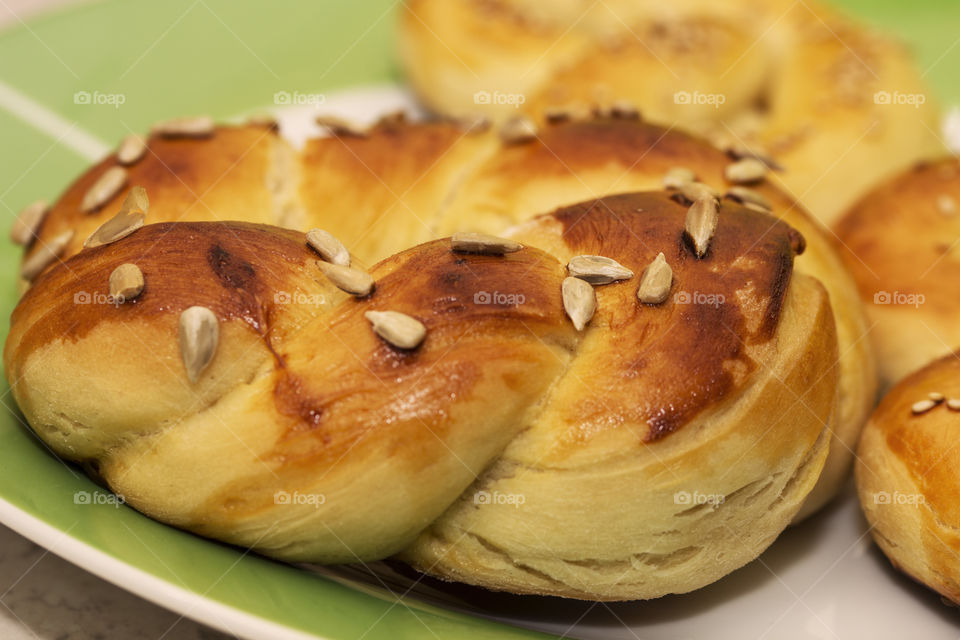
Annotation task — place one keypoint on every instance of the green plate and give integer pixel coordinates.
(224, 57)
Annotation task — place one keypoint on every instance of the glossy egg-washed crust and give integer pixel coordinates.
(404, 184)
(900, 244)
(908, 478)
(794, 79)
(382, 451)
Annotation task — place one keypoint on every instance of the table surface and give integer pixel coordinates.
(46, 597)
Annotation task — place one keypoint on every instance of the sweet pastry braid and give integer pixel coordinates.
(835, 103)
(233, 385)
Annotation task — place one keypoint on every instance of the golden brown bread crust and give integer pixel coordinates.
(907, 477)
(303, 399)
(450, 180)
(836, 103)
(900, 245)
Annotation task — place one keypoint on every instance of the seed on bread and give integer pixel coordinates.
(922, 406)
(749, 197)
(131, 150)
(953, 404)
(745, 171)
(130, 218)
(625, 110)
(189, 127)
(328, 246)
(693, 191)
(579, 301)
(518, 130)
(340, 127)
(199, 337)
(656, 281)
(104, 189)
(701, 223)
(936, 396)
(469, 242)
(45, 254)
(597, 270)
(28, 222)
(354, 281)
(677, 177)
(398, 329)
(126, 282)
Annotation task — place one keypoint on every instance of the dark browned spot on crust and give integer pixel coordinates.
(704, 327)
(233, 272)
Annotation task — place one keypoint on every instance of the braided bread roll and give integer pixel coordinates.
(834, 102)
(354, 187)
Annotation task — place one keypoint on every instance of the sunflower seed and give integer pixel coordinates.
(191, 127)
(947, 205)
(693, 191)
(467, 242)
(953, 404)
(126, 282)
(131, 150)
(397, 328)
(656, 281)
(597, 269)
(44, 255)
(28, 221)
(922, 407)
(329, 248)
(199, 336)
(625, 110)
(579, 301)
(340, 127)
(677, 177)
(349, 279)
(749, 196)
(936, 396)
(104, 189)
(745, 171)
(518, 129)
(701, 223)
(130, 218)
